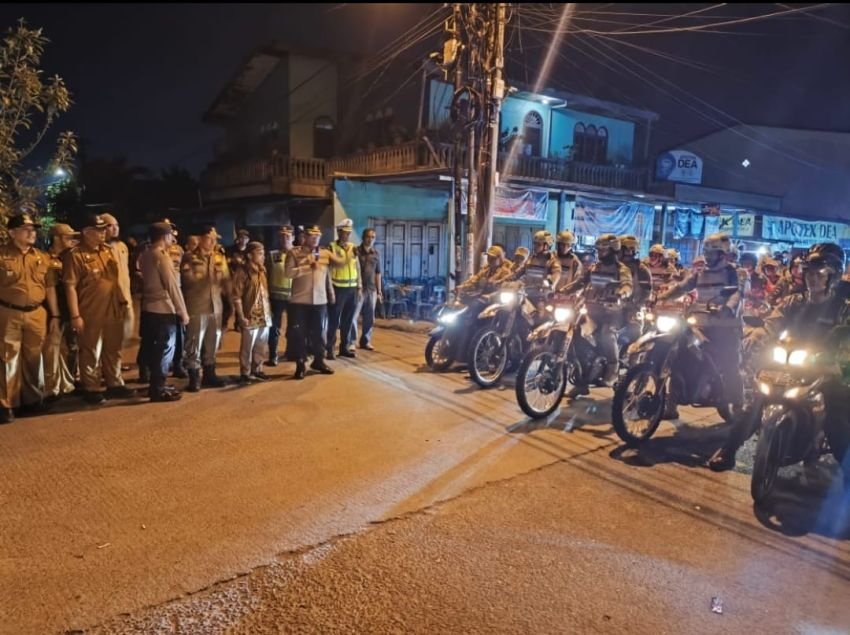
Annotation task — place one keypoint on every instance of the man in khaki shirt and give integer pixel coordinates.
(60, 346)
(98, 309)
(25, 284)
(122, 256)
(204, 274)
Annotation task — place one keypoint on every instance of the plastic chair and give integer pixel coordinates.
(395, 300)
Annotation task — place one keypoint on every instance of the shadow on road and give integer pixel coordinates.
(689, 445)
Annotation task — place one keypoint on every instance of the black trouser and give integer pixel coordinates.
(278, 309)
(341, 317)
(161, 332)
(724, 347)
(145, 335)
(179, 338)
(306, 333)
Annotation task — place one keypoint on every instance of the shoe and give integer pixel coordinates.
(349, 354)
(322, 368)
(300, 370)
(367, 347)
(260, 375)
(245, 379)
(179, 373)
(722, 460)
(272, 362)
(120, 392)
(211, 380)
(6, 415)
(95, 398)
(166, 396)
(331, 356)
(144, 376)
(578, 391)
(35, 409)
(52, 399)
(194, 380)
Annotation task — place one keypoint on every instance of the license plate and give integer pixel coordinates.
(777, 378)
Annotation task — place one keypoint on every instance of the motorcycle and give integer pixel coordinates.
(501, 343)
(561, 356)
(669, 360)
(792, 408)
(449, 340)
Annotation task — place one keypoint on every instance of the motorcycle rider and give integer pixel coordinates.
(642, 285)
(673, 261)
(520, 256)
(813, 313)
(661, 272)
(723, 327)
(540, 268)
(498, 269)
(772, 274)
(757, 293)
(602, 321)
(570, 264)
(791, 283)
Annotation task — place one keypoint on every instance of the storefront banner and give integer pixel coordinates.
(597, 216)
(801, 232)
(746, 225)
(727, 224)
(529, 205)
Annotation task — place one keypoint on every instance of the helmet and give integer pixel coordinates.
(749, 257)
(770, 262)
(673, 254)
(609, 241)
(543, 236)
(496, 252)
(699, 260)
(826, 255)
(566, 237)
(656, 250)
(717, 242)
(522, 252)
(629, 242)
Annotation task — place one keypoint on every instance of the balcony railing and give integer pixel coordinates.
(417, 156)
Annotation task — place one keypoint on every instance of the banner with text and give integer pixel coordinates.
(518, 204)
(597, 216)
(802, 233)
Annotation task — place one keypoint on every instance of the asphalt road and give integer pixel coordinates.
(387, 498)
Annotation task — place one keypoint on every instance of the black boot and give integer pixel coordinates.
(300, 369)
(211, 380)
(179, 371)
(194, 380)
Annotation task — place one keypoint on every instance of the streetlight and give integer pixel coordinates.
(60, 173)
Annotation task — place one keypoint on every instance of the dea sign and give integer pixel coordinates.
(680, 166)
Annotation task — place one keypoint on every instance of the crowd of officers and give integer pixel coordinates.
(808, 293)
(67, 314)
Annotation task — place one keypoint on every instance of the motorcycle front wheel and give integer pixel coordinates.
(488, 357)
(768, 460)
(540, 384)
(638, 405)
(438, 353)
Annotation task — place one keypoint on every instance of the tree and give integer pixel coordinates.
(28, 107)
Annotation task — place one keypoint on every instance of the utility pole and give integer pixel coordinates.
(495, 94)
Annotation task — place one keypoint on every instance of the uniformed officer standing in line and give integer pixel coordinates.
(348, 291)
(122, 256)
(175, 253)
(280, 291)
(236, 258)
(308, 266)
(25, 284)
(204, 272)
(60, 346)
(98, 309)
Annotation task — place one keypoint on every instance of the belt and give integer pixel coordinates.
(346, 284)
(25, 309)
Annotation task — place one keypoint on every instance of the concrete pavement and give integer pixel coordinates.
(138, 505)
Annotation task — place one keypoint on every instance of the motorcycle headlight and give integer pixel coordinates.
(764, 388)
(798, 358)
(507, 297)
(780, 355)
(666, 323)
(448, 318)
(563, 314)
(796, 392)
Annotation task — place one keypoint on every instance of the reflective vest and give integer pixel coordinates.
(344, 275)
(280, 287)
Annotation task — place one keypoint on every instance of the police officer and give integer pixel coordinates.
(122, 256)
(348, 290)
(308, 268)
(26, 284)
(60, 346)
(662, 272)
(280, 291)
(641, 281)
(812, 314)
(204, 274)
(570, 264)
(98, 308)
(520, 256)
(542, 270)
(674, 262)
(723, 328)
(236, 258)
(490, 277)
(606, 278)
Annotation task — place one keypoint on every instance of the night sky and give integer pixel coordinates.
(142, 75)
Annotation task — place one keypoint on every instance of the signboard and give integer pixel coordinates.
(518, 204)
(801, 233)
(597, 216)
(679, 166)
(746, 225)
(727, 224)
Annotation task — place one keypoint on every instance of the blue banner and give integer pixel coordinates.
(597, 216)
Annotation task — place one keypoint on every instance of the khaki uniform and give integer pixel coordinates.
(203, 279)
(24, 279)
(122, 256)
(60, 347)
(251, 293)
(103, 307)
(487, 279)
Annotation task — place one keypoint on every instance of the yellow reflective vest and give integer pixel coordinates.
(347, 275)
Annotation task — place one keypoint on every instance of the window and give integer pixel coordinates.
(323, 138)
(578, 142)
(590, 141)
(532, 133)
(602, 145)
